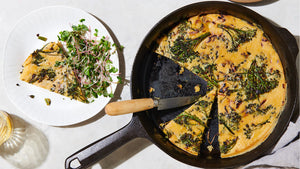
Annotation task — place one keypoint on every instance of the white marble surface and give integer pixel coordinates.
(130, 21)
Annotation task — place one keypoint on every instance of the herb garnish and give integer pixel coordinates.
(230, 120)
(257, 82)
(48, 101)
(238, 36)
(188, 140)
(48, 74)
(250, 128)
(89, 58)
(37, 58)
(184, 118)
(203, 103)
(208, 74)
(41, 37)
(255, 109)
(183, 49)
(228, 145)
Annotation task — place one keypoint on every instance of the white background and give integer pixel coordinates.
(130, 20)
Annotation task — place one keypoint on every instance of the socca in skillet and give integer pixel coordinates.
(238, 61)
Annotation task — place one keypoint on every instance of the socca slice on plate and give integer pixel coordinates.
(41, 69)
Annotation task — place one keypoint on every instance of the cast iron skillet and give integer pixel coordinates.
(145, 124)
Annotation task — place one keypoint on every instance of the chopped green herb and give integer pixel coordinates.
(203, 103)
(43, 74)
(250, 128)
(168, 134)
(228, 145)
(184, 118)
(208, 74)
(256, 109)
(120, 80)
(188, 140)
(41, 37)
(96, 32)
(37, 59)
(48, 101)
(230, 120)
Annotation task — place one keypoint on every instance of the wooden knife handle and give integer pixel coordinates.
(129, 106)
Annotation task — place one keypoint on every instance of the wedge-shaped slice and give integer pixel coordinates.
(186, 130)
(243, 125)
(42, 69)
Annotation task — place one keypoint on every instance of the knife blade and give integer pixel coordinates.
(137, 105)
(169, 103)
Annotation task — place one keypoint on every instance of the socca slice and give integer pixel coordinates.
(47, 68)
(186, 130)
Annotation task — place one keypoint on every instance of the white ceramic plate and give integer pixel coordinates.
(22, 41)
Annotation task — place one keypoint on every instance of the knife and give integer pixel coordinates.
(137, 105)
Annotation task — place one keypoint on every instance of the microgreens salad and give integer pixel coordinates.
(89, 57)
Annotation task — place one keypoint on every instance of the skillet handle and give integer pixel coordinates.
(291, 42)
(96, 151)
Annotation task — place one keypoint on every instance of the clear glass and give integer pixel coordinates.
(25, 146)
(6, 127)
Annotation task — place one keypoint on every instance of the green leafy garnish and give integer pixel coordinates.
(48, 74)
(257, 82)
(183, 49)
(37, 59)
(230, 119)
(238, 36)
(184, 118)
(228, 145)
(89, 58)
(189, 140)
(208, 74)
(248, 130)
